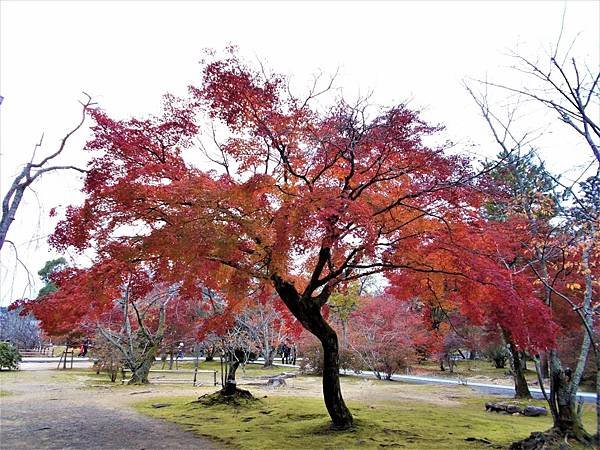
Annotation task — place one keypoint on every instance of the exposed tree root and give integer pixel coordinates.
(552, 439)
(238, 397)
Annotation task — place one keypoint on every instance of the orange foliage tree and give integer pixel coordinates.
(303, 198)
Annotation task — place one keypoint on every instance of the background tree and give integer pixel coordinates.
(385, 335)
(306, 199)
(570, 90)
(266, 326)
(31, 171)
(45, 273)
(23, 331)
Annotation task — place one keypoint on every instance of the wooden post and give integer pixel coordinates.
(195, 375)
(215, 376)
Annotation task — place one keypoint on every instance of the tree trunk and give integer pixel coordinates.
(308, 312)
(210, 353)
(566, 419)
(517, 359)
(268, 352)
(140, 371)
(230, 386)
(598, 402)
(544, 366)
(521, 387)
(332, 392)
(269, 356)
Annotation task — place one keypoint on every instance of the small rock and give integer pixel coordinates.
(276, 382)
(474, 439)
(495, 407)
(534, 411)
(160, 405)
(512, 409)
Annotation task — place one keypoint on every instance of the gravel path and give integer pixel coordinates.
(41, 412)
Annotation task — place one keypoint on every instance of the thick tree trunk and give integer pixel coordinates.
(230, 386)
(332, 392)
(268, 352)
(269, 356)
(521, 387)
(308, 312)
(141, 370)
(566, 419)
(517, 365)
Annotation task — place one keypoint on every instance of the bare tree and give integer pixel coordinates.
(569, 88)
(236, 347)
(139, 345)
(32, 171)
(266, 327)
(22, 331)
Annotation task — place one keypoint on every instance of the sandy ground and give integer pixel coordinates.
(49, 409)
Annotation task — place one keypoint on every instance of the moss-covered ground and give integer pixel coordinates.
(302, 423)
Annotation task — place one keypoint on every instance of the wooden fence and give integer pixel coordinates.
(37, 351)
(160, 376)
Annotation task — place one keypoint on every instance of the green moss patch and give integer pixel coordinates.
(303, 423)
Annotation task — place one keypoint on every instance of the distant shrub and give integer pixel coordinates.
(9, 356)
(312, 355)
(107, 358)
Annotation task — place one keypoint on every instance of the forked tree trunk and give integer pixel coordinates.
(141, 369)
(308, 312)
(230, 386)
(564, 410)
(210, 353)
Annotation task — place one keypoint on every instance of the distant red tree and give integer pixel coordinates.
(385, 335)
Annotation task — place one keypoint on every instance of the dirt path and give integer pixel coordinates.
(43, 411)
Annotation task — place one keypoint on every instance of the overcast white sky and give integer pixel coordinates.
(127, 54)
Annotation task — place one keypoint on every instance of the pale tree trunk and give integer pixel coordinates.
(141, 370)
(140, 348)
(31, 172)
(268, 351)
(566, 417)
